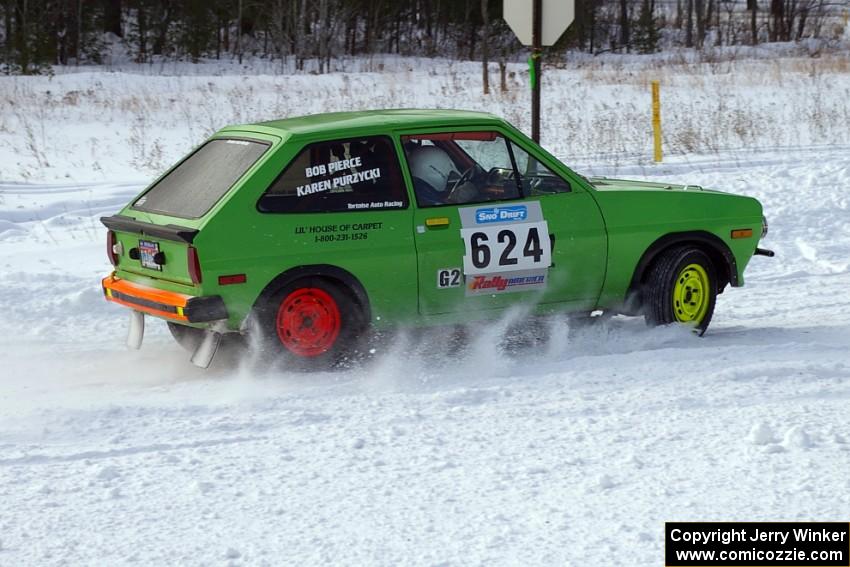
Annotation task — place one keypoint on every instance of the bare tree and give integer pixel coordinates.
(239, 30)
(624, 24)
(753, 6)
(700, 21)
(485, 43)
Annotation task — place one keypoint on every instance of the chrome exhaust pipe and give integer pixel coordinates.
(136, 332)
(203, 355)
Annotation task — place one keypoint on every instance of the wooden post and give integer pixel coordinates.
(656, 119)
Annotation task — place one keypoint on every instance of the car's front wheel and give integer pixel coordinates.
(681, 288)
(312, 322)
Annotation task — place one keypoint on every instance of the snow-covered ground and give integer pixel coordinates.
(570, 452)
(573, 451)
(89, 125)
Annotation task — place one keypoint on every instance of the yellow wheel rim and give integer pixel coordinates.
(691, 294)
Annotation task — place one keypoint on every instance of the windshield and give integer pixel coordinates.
(456, 168)
(192, 188)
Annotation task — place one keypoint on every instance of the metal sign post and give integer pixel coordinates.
(536, 32)
(538, 23)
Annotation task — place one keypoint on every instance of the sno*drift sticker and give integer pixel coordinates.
(501, 214)
(507, 248)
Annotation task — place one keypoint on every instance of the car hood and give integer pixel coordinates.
(607, 184)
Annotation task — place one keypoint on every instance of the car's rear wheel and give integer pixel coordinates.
(681, 288)
(312, 322)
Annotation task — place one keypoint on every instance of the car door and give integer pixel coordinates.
(339, 203)
(503, 230)
(576, 225)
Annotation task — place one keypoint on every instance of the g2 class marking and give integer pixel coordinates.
(448, 277)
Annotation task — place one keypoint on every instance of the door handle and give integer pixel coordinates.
(437, 222)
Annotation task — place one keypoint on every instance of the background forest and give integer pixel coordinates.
(36, 35)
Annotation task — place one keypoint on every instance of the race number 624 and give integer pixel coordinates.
(506, 248)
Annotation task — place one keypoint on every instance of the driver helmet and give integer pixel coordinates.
(433, 166)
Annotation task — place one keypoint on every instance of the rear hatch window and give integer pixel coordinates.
(191, 189)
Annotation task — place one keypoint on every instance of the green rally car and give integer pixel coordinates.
(307, 232)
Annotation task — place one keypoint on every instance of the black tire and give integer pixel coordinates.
(187, 337)
(658, 290)
(279, 345)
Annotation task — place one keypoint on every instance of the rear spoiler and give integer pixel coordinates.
(164, 232)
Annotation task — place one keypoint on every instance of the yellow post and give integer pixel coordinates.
(846, 17)
(656, 118)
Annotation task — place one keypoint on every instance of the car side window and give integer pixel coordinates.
(341, 175)
(536, 178)
(455, 168)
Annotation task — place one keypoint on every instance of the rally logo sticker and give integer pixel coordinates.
(504, 283)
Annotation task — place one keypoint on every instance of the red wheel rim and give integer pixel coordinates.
(308, 321)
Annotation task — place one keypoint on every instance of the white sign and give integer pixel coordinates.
(506, 248)
(556, 18)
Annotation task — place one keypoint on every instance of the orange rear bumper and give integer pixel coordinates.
(162, 303)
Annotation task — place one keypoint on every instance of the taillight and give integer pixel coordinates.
(111, 241)
(194, 265)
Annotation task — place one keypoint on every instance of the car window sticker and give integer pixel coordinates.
(339, 174)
